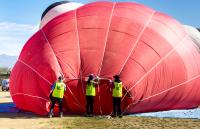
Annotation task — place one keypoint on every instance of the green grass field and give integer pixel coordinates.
(127, 122)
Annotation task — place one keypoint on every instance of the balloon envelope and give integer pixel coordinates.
(158, 63)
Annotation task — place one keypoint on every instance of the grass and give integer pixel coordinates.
(127, 122)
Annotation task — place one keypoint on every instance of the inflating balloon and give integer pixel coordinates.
(157, 61)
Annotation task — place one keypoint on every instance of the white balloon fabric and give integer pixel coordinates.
(193, 33)
(58, 10)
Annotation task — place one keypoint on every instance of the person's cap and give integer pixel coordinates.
(116, 76)
(60, 78)
(91, 76)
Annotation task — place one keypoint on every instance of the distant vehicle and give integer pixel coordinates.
(5, 85)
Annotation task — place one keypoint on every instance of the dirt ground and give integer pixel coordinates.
(18, 120)
(22, 120)
(5, 97)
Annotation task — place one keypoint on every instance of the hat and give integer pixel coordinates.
(116, 76)
(91, 76)
(60, 78)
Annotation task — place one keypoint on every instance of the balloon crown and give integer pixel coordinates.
(52, 6)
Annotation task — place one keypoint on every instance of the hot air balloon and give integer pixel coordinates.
(158, 63)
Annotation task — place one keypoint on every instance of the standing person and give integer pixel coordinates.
(90, 94)
(57, 93)
(117, 95)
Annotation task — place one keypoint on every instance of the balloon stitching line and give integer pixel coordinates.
(169, 53)
(79, 53)
(75, 98)
(109, 23)
(46, 79)
(106, 39)
(30, 96)
(162, 92)
(59, 65)
(34, 71)
(44, 35)
(136, 42)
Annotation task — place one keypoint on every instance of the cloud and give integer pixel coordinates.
(13, 36)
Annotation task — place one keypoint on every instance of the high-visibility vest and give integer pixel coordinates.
(90, 89)
(117, 90)
(59, 90)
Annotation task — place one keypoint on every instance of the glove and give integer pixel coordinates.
(97, 78)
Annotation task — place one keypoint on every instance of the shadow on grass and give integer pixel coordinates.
(18, 115)
(9, 110)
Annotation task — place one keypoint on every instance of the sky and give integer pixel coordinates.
(19, 19)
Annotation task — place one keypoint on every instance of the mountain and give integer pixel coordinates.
(7, 61)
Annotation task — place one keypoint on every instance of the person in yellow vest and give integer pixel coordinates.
(90, 94)
(57, 93)
(117, 95)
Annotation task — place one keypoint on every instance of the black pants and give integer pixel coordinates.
(89, 105)
(117, 106)
(54, 100)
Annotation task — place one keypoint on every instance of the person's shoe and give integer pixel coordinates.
(120, 116)
(109, 117)
(50, 115)
(61, 114)
(91, 115)
(113, 115)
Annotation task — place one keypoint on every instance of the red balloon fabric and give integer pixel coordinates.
(158, 63)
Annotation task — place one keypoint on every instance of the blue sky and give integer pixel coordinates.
(19, 19)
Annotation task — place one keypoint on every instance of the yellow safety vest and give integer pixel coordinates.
(117, 90)
(59, 90)
(90, 89)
